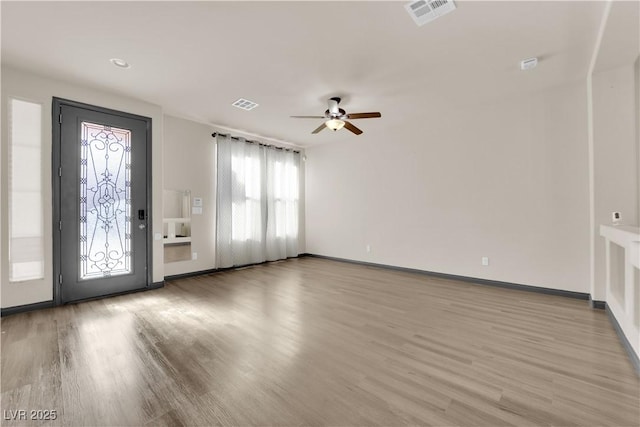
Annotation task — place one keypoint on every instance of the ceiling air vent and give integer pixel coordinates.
(245, 104)
(423, 11)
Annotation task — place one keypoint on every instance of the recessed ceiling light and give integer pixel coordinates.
(245, 104)
(120, 63)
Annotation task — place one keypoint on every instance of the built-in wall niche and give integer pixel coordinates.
(177, 225)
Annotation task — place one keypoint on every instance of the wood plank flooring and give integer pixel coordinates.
(317, 342)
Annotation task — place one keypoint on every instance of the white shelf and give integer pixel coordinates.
(174, 240)
(172, 225)
(177, 220)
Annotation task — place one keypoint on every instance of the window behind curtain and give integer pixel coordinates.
(246, 206)
(286, 194)
(26, 248)
(257, 203)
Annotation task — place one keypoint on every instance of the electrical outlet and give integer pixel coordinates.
(368, 248)
(485, 260)
(194, 255)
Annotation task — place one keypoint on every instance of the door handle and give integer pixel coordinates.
(142, 226)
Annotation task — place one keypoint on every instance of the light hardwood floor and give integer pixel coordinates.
(316, 342)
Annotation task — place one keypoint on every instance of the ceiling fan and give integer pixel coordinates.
(336, 118)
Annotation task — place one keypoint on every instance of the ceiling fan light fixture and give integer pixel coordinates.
(334, 124)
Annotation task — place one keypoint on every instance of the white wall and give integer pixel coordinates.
(507, 180)
(41, 89)
(615, 155)
(189, 164)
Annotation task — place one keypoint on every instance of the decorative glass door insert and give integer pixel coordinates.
(105, 201)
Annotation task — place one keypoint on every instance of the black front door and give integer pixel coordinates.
(103, 245)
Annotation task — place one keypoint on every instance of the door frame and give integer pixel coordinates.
(56, 146)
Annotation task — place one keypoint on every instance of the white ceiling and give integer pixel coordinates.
(196, 58)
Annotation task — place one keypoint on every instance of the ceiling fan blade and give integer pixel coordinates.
(364, 115)
(322, 126)
(352, 128)
(308, 117)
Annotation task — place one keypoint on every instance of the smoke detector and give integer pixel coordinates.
(528, 64)
(423, 11)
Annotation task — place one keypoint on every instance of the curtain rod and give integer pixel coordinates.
(254, 142)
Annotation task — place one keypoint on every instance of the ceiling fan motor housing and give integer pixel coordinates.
(328, 114)
(333, 106)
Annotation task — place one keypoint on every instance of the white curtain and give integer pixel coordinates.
(257, 203)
